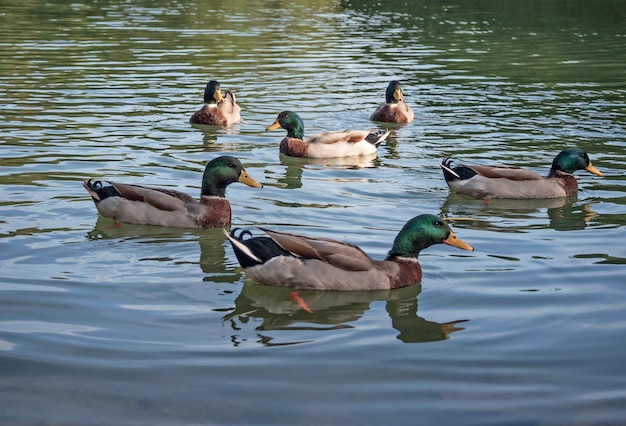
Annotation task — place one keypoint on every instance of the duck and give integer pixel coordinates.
(309, 263)
(394, 109)
(145, 205)
(217, 110)
(511, 182)
(331, 144)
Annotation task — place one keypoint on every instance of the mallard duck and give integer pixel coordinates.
(394, 109)
(326, 144)
(307, 263)
(503, 181)
(217, 110)
(166, 207)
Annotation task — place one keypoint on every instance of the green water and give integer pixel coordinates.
(102, 324)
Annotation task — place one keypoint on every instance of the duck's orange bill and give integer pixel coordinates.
(397, 94)
(275, 125)
(218, 95)
(294, 296)
(244, 178)
(593, 170)
(453, 241)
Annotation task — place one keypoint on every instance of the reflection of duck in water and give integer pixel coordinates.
(307, 263)
(295, 166)
(346, 143)
(272, 308)
(515, 183)
(109, 229)
(217, 110)
(292, 178)
(563, 213)
(570, 216)
(352, 162)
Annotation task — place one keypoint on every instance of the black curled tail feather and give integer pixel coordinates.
(448, 172)
(241, 234)
(254, 251)
(459, 172)
(98, 191)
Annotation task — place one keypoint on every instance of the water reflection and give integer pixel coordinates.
(292, 178)
(108, 229)
(354, 162)
(294, 167)
(276, 309)
(564, 214)
(212, 256)
(571, 216)
(209, 135)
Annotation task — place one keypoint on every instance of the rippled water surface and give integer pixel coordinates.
(108, 324)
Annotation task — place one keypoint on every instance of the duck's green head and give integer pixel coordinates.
(572, 159)
(221, 172)
(393, 95)
(423, 231)
(212, 93)
(291, 122)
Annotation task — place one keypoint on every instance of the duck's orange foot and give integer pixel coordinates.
(294, 296)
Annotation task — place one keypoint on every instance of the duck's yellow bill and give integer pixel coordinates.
(275, 125)
(397, 94)
(244, 178)
(453, 241)
(218, 95)
(593, 170)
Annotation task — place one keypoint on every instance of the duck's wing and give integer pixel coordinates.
(338, 137)
(505, 172)
(336, 253)
(160, 198)
(350, 136)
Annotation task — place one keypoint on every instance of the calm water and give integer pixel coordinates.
(143, 325)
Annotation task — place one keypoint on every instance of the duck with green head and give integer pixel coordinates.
(512, 182)
(217, 110)
(166, 207)
(331, 144)
(308, 263)
(394, 109)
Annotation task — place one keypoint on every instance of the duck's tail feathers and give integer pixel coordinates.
(230, 96)
(377, 136)
(448, 173)
(90, 188)
(245, 256)
(98, 191)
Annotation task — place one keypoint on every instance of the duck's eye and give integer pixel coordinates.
(438, 224)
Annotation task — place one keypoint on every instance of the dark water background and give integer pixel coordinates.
(144, 325)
